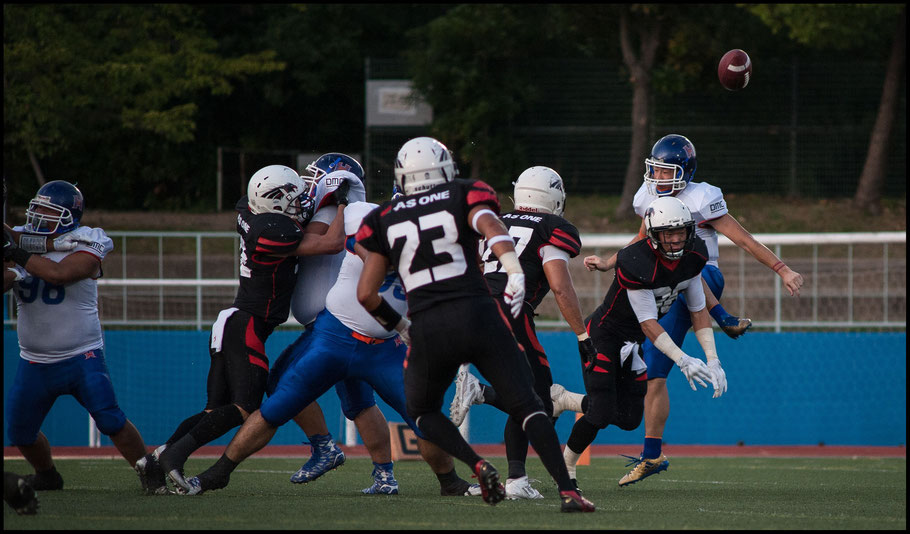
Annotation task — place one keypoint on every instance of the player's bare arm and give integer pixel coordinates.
(560, 280)
(329, 242)
(596, 263)
(731, 228)
(70, 269)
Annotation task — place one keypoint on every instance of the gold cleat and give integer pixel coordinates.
(644, 468)
(734, 331)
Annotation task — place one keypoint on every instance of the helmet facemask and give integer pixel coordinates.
(664, 187)
(37, 222)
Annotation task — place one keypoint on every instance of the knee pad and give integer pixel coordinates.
(601, 411)
(355, 396)
(110, 420)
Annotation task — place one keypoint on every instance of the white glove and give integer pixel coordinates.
(69, 241)
(21, 274)
(718, 377)
(514, 295)
(694, 370)
(402, 327)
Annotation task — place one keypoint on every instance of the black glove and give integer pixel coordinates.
(12, 252)
(19, 494)
(587, 351)
(341, 193)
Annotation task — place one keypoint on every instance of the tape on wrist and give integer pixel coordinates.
(510, 263)
(582, 337)
(668, 347)
(705, 338)
(36, 244)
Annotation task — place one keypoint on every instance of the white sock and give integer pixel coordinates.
(571, 457)
(574, 401)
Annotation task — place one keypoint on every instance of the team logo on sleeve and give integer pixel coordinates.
(717, 206)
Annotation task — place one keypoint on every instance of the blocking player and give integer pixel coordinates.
(349, 349)
(430, 237)
(544, 242)
(650, 275)
(59, 287)
(270, 222)
(669, 171)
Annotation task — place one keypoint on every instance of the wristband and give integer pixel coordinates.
(582, 337)
(705, 338)
(20, 256)
(477, 216)
(387, 317)
(668, 347)
(36, 244)
(510, 263)
(778, 266)
(499, 238)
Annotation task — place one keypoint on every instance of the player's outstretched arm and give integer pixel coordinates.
(731, 228)
(330, 242)
(596, 263)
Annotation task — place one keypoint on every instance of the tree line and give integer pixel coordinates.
(131, 101)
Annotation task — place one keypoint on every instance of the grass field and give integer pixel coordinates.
(695, 493)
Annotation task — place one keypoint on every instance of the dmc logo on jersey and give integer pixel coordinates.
(333, 181)
(97, 246)
(411, 202)
(717, 206)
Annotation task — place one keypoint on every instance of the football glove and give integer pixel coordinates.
(694, 370)
(69, 241)
(20, 273)
(514, 295)
(341, 193)
(718, 377)
(587, 351)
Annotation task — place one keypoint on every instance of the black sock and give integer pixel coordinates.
(543, 438)
(490, 397)
(443, 433)
(516, 448)
(185, 427)
(583, 434)
(447, 479)
(218, 476)
(216, 424)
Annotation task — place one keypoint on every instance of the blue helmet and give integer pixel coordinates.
(673, 152)
(65, 202)
(333, 161)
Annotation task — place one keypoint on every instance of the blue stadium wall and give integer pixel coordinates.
(784, 389)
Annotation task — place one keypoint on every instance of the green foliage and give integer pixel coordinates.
(834, 26)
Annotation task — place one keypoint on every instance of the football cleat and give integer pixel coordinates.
(462, 488)
(520, 488)
(564, 401)
(19, 494)
(325, 456)
(384, 483)
(573, 502)
(467, 392)
(151, 475)
(173, 471)
(643, 468)
(193, 486)
(735, 327)
(491, 489)
(45, 481)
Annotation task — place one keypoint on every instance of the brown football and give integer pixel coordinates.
(734, 70)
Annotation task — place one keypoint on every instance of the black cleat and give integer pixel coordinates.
(151, 474)
(51, 481)
(491, 489)
(573, 502)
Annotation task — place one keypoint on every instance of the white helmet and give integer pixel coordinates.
(279, 189)
(540, 189)
(667, 213)
(423, 163)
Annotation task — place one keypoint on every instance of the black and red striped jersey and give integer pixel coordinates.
(639, 266)
(430, 243)
(266, 280)
(531, 233)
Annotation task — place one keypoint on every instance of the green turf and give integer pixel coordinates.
(695, 493)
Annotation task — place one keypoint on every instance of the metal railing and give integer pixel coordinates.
(146, 286)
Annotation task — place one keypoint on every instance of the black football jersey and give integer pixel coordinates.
(429, 241)
(638, 266)
(531, 232)
(266, 281)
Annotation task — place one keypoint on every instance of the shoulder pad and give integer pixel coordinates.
(478, 192)
(636, 265)
(564, 236)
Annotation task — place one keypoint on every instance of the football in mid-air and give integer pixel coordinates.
(734, 70)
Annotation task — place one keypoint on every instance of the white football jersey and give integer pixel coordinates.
(317, 274)
(342, 298)
(57, 322)
(705, 202)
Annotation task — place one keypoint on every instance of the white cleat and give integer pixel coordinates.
(564, 401)
(520, 488)
(467, 392)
